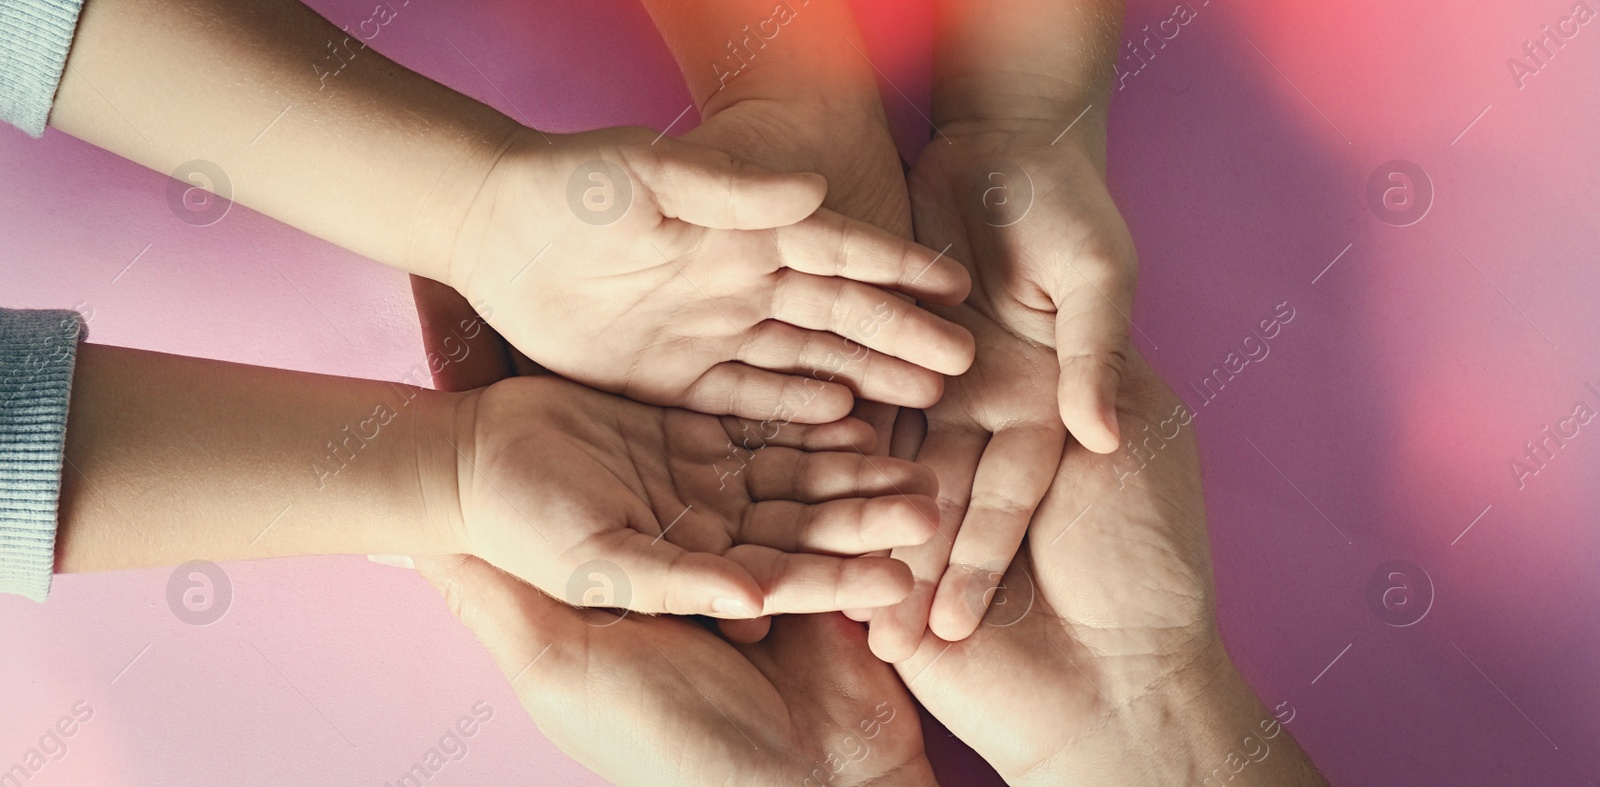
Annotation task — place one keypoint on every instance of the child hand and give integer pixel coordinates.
(679, 276)
(554, 475)
(1052, 258)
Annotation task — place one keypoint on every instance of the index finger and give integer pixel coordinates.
(829, 244)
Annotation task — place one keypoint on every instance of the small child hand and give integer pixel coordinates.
(690, 513)
(679, 276)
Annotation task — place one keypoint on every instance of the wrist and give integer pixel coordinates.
(441, 442)
(1038, 109)
(441, 242)
(1200, 721)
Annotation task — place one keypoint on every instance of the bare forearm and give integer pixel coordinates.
(1206, 729)
(733, 50)
(171, 459)
(308, 125)
(999, 61)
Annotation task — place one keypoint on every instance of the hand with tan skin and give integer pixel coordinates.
(671, 273)
(789, 88)
(1099, 661)
(706, 515)
(1013, 184)
(171, 459)
(666, 701)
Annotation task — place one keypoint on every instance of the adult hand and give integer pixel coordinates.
(665, 701)
(677, 275)
(1100, 660)
(993, 441)
(703, 515)
(1027, 208)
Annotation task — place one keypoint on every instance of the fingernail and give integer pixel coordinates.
(731, 607)
(398, 561)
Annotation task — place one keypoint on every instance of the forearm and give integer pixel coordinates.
(309, 126)
(1026, 62)
(1205, 728)
(734, 50)
(171, 459)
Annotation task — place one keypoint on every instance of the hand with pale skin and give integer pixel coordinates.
(685, 277)
(993, 442)
(806, 101)
(703, 514)
(1053, 278)
(1014, 182)
(665, 701)
(671, 273)
(1100, 661)
(1052, 261)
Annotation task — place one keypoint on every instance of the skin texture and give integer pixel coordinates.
(170, 459)
(666, 701)
(1100, 661)
(1013, 184)
(718, 281)
(803, 101)
(700, 514)
(1076, 676)
(715, 289)
(1014, 107)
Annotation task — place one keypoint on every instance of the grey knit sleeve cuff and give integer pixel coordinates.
(37, 352)
(34, 38)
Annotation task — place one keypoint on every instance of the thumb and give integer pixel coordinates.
(513, 620)
(1092, 345)
(708, 187)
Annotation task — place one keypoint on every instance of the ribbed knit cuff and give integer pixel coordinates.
(37, 352)
(34, 38)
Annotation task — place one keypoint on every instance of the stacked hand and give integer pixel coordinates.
(666, 701)
(680, 276)
(695, 514)
(712, 314)
(1027, 207)
(1054, 272)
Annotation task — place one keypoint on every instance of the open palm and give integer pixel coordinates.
(699, 514)
(1051, 256)
(679, 276)
(993, 441)
(666, 701)
(1110, 600)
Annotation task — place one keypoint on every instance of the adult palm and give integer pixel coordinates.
(993, 442)
(1108, 607)
(1051, 257)
(666, 701)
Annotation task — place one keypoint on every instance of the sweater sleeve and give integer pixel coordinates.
(34, 38)
(38, 350)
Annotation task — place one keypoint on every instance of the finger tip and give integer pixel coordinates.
(924, 391)
(963, 352)
(745, 632)
(952, 626)
(877, 581)
(827, 403)
(891, 642)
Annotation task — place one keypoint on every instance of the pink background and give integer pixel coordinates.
(1416, 366)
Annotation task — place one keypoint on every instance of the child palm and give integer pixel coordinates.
(679, 276)
(691, 513)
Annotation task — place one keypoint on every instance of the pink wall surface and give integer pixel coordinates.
(1380, 426)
